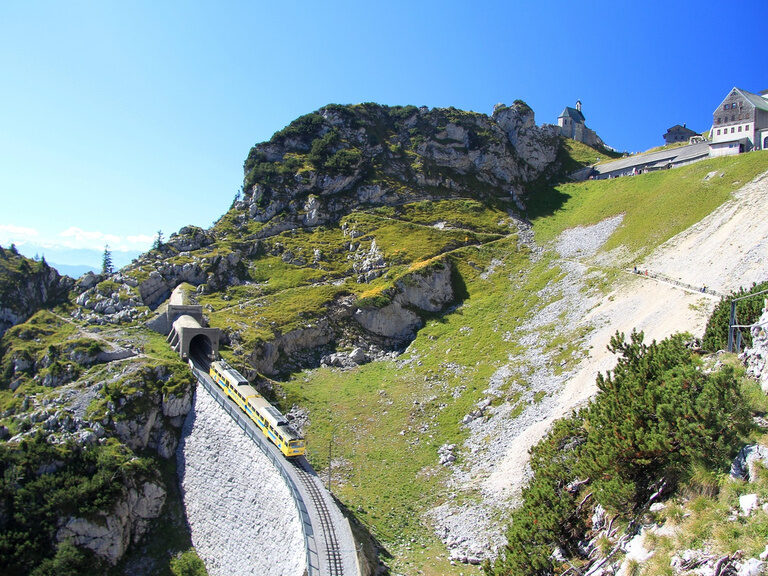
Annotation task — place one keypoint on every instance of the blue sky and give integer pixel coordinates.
(118, 119)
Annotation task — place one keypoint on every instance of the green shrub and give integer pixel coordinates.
(107, 287)
(323, 148)
(303, 127)
(656, 420)
(188, 564)
(41, 483)
(655, 415)
(344, 160)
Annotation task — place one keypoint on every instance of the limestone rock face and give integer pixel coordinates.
(26, 286)
(190, 238)
(744, 466)
(365, 328)
(174, 406)
(428, 291)
(110, 534)
(536, 146)
(454, 149)
(150, 419)
(392, 321)
(265, 358)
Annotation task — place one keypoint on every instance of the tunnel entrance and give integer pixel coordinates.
(201, 347)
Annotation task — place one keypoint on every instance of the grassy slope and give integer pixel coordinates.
(284, 296)
(387, 419)
(656, 206)
(574, 155)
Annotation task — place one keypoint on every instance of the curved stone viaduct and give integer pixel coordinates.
(328, 544)
(250, 510)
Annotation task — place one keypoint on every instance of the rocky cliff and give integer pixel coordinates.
(26, 286)
(342, 158)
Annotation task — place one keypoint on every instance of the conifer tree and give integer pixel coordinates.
(158, 243)
(106, 261)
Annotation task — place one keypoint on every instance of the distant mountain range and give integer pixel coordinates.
(76, 262)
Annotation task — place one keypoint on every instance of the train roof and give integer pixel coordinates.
(247, 390)
(288, 431)
(274, 416)
(224, 366)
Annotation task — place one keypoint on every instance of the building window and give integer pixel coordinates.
(739, 128)
(726, 107)
(733, 129)
(746, 128)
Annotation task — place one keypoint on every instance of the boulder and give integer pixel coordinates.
(756, 356)
(744, 466)
(748, 503)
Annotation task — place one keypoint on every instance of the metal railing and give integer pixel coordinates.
(313, 563)
(734, 328)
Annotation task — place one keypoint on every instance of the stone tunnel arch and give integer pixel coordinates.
(187, 329)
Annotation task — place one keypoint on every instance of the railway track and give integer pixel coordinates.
(324, 552)
(333, 551)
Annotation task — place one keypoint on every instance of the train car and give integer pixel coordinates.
(268, 418)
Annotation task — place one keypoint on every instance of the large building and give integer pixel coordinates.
(573, 125)
(740, 123)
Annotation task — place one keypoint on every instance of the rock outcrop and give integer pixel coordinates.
(756, 356)
(110, 534)
(26, 286)
(367, 329)
(417, 150)
(415, 294)
(150, 419)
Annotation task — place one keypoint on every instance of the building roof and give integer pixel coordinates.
(680, 128)
(756, 100)
(572, 113)
(674, 156)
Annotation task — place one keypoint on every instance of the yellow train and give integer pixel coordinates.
(268, 418)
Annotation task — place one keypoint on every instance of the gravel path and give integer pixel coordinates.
(727, 249)
(227, 482)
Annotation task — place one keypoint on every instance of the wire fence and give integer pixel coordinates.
(735, 334)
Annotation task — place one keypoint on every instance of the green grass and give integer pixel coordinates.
(574, 155)
(456, 213)
(374, 414)
(261, 319)
(655, 206)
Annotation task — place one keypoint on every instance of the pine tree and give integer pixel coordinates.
(158, 243)
(106, 261)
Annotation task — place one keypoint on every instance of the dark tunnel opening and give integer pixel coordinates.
(201, 347)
